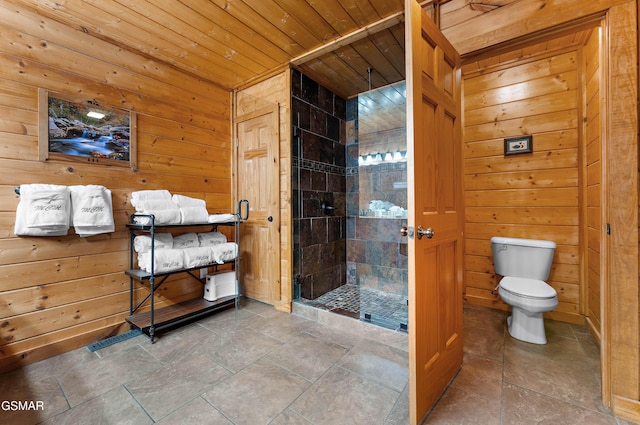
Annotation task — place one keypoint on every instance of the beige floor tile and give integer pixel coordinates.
(91, 379)
(177, 343)
(457, 407)
(237, 349)
(46, 391)
(113, 407)
(481, 376)
(386, 365)
(341, 396)
(307, 356)
(257, 394)
(521, 406)
(165, 390)
(196, 412)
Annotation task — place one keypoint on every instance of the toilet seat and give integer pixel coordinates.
(527, 288)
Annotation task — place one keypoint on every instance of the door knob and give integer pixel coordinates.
(269, 219)
(422, 232)
(404, 231)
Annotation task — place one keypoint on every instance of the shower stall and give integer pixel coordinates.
(349, 201)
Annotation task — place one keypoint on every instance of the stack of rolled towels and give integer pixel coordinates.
(186, 251)
(169, 209)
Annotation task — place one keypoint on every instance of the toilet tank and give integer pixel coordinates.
(528, 258)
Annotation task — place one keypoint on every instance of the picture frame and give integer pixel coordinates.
(81, 130)
(518, 145)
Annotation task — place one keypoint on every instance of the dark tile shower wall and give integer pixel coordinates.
(319, 187)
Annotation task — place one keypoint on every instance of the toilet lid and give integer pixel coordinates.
(527, 287)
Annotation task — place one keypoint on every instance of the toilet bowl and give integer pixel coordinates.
(524, 265)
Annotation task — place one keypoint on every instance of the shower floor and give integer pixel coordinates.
(371, 305)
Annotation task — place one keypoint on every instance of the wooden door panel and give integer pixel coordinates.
(258, 182)
(436, 202)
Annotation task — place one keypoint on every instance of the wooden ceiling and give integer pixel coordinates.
(232, 42)
(235, 42)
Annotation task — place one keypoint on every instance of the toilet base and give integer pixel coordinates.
(527, 327)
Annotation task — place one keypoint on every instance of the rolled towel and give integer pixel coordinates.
(91, 210)
(161, 217)
(193, 215)
(211, 238)
(165, 211)
(166, 260)
(185, 201)
(221, 218)
(196, 257)
(145, 195)
(224, 252)
(186, 240)
(142, 243)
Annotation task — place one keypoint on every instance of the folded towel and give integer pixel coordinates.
(142, 243)
(91, 210)
(156, 205)
(211, 238)
(186, 240)
(43, 210)
(222, 253)
(145, 195)
(196, 257)
(193, 215)
(221, 218)
(21, 228)
(185, 201)
(166, 260)
(47, 208)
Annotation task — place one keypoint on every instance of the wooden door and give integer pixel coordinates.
(435, 203)
(258, 182)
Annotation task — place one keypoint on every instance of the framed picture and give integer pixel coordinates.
(80, 130)
(522, 144)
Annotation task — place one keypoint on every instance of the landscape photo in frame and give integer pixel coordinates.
(85, 131)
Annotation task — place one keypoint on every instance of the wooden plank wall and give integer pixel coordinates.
(277, 89)
(60, 293)
(592, 145)
(533, 195)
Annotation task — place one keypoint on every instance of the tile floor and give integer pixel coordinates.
(260, 366)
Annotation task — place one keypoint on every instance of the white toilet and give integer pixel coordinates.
(525, 265)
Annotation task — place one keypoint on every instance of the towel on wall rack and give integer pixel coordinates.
(91, 210)
(43, 210)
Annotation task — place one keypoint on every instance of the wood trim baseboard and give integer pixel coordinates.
(627, 409)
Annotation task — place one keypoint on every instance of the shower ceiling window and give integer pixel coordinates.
(350, 200)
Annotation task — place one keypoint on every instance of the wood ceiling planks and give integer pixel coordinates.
(230, 42)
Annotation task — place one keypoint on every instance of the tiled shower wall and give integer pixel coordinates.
(319, 185)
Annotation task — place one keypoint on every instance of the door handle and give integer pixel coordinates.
(270, 219)
(429, 233)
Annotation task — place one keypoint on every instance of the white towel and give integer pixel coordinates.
(142, 243)
(145, 195)
(196, 257)
(221, 218)
(166, 260)
(193, 215)
(211, 238)
(186, 240)
(185, 201)
(91, 210)
(224, 252)
(161, 217)
(43, 210)
(165, 211)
